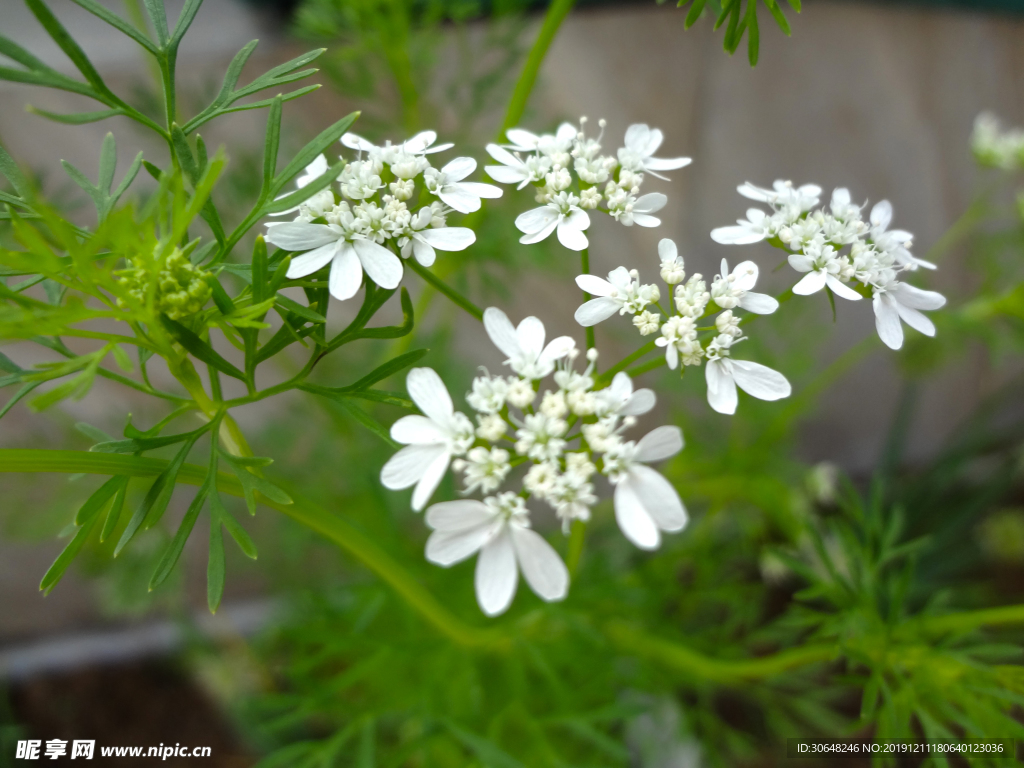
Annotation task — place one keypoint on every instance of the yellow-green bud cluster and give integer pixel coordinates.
(181, 287)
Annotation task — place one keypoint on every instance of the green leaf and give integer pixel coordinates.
(753, 34)
(251, 484)
(272, 142)
(215, 567)
(232, 526)
(95, 434)
(259, 271)
(292, 199)
(390, 368)
(389, 398)
(140, 444)
(108, 164)
(795, 5)
(308, 153)
(185, 19)
(306, 313)
(157, 497)
(15, 52)
(83, 182)
(76, 118)
(8, 365)
(780, 18)
(158, 17)
(184, 153)
(114, 513)
(118, 23)
(67, 44)
(831, 302)
(64, 559)
(393, 331)
(220, 296)
(10, 171)
(95, 503)
(174, 549)
(489, 753)
(263, 103)
(366, 420)
(129, 177)
(18, 396)
(199, 348)
(694, 13)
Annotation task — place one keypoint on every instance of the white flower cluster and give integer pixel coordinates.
(995, 147)
(836, 246)
(373, 216)
(681, 335)
(562, 438)
(572, 176)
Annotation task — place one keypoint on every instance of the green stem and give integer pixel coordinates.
(625, 362)
(650, 365)
(576, 540)
(456, 298)
(556, 14)
(970, 620)
(331, 527)
(585, 267)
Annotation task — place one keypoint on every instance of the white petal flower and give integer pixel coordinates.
(421, 239)
(619, 399)
(342, 246)
(900, 301)
(645, 502)
(621, 292)
(562, 213)
(783, 193)
(724, 374)
(499, 529)
(420, 144)
(323, 200)
(431, 440)
(753, 229)
(641, 144)
(521, 140)
(524, 345)
(733, 289)
(895, 241)
(638, 211)
(448, 184)
(673, 269)
(515, 170)
(823, 267)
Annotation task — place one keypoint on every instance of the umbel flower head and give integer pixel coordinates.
(560, 438)
(371, 220)
(681, 336)
(181, 289)
(572, 177)
(835, 249)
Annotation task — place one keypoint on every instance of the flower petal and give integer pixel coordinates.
(915, 298)
(887, 320)
(430, 395)
(382, 266)
(650, 203)
(594, 285)
(915, 319)
(542, 568)
(417, 430)
(481, 190)
(759, 303)
(504, 174)
(458, 169)
(458, 197)
(431, 479)
(301, 236)
(810, 283)
(744, 275)
(639, 403)
(530, 336)
(596, 310)
(633, 519)
(536, 219)
(542, 234)
(659, 444)
(737, 235)
(659, 498)
(643, 220)
(556, 350)
(841, 289)
(449, 238)
(419, 143)
(760, 381)
(521, 137)
(312, 261)
(460, 515)
(721, 387)
(881, 214)
(571, 237)
(422, 251)
(346, 273)
(496, 575)
(406, 467)
(667, 250)
(801, 262)
(501, 331)
(446, 548)
(666, 163)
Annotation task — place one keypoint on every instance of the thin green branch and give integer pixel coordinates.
(441, 287)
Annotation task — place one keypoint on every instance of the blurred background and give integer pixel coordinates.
(878, 97)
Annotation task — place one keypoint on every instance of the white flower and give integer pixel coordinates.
(524, 345)
(823, 267)
(520, 392)
(679, 337)
(488, 395)
(359, 180)
(647, 322)
(521, 140)
(420, 240)
(562, 213)
(842, 208)
(621, 292)
(641, 144)
(619, 399)
(499, 529)
(692, 298)
(484, 469)
(895, 241)
(783, 194)
(448, 184)
(341, 245)
(672, 267)
(629, 210)
(515, 170)
(420, 144)
(540, 437)
(431, 440)
(733, 289)
(323, 200)
(492, 427)
(899, 301)
(723, 375)
(645, 502)
(753, 229)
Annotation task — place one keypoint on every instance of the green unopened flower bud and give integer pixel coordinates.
(182, 287)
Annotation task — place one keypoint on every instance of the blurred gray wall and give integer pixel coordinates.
(876, 98)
